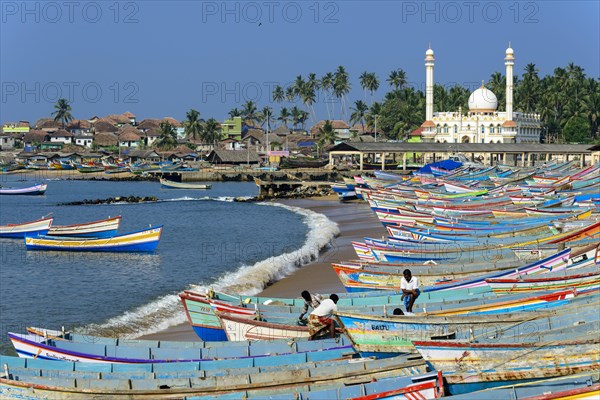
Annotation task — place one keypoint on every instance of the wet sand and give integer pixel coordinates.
(355, 220)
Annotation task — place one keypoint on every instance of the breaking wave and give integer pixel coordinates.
(247, 280)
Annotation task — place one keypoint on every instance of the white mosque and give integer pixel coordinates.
(482, 123)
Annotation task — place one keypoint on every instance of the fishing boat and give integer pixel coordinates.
(97, 229)
(37, 189)
(140, 241)
(89, 168)
(110, 350)
(39, 227)
(182, 185)
(234, 379)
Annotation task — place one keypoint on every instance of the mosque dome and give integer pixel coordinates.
(429, 52)
(482, 100)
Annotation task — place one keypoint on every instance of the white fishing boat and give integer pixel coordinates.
(183, 185)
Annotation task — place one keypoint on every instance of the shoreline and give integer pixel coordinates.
(355, 221)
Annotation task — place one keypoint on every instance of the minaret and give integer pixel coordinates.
(509, 61)
(429, 63)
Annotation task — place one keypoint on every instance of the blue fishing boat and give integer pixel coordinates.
(141, 241)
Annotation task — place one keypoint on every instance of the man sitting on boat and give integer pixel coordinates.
(322, 319)
(410, 289)
(310, 301)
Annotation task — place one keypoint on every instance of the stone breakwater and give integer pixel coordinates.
(112, 200)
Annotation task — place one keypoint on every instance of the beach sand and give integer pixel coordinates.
(355, 220)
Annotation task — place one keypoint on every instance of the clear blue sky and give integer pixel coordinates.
(159, 58)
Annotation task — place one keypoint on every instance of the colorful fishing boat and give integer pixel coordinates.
(183, 185)
(97, 229)
(34, 190)
(140, 241)
(33, 228)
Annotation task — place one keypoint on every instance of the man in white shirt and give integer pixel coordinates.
(322, 317)
(410, 289)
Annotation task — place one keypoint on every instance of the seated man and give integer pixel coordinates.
(310, 301)
(322, 319)
(410, 289)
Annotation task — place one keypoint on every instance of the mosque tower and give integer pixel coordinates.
(429, 63)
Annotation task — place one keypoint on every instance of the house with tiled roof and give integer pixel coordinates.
(118, 119)
(79, 126)
(129, 136)
(130, 116)
(61, 136)
(105, 140)
(149, 123)
(47, 124)
(104, 125)
(341, 128)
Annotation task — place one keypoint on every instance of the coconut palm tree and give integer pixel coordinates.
(363, 80)
(168, 137)
(266, 116)
(372, 114)
(296, 116)
(397, 79)
(497, 85)
(284, 116)
(211, 132)
(234, 112)
(327, 134)
(372, 84)
(278, 94)
(290, 96)
(327, 86)
(249, 111)
(359, 112)
(63, 112)
(341, 87)
(192, 124)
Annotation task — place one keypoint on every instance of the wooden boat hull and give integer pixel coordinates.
(39, 227)
(97, 229)
(182, 185)
(35, 190)
(142, 241)
(464, 357)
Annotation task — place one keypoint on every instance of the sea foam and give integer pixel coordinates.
(247, 280)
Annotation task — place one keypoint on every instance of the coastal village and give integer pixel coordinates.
(462, 259)
(253, 139)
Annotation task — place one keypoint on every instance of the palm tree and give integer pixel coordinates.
(284, 116)
(266, 116)
(497, 85)
(234, 112)
(278, 94)
(373, 113)
(211, 131)
(168, 137)
(192, 125)
(249, 112)
(296, 116)
(341, 87)
(363, 80)
(289, 94)
(372, 84)
(63, 112)
(397, 79)
(359, 112)
(327, 86)
(327, 134)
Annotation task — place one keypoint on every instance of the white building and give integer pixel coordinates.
(481, 123)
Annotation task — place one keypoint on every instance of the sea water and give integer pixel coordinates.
(208, 241)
